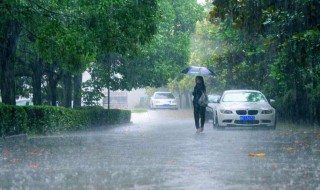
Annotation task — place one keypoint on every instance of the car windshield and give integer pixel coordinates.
(244, 97)
(213, 98)
(163, 96)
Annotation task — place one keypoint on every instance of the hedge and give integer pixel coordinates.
(43, 120)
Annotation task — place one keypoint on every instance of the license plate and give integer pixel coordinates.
(247, 118)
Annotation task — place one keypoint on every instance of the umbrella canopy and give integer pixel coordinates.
(194, 70)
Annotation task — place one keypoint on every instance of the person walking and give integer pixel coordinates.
(199, 110)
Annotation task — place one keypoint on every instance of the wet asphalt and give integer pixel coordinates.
(160, 150)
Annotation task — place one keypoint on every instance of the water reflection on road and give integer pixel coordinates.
(160, 150)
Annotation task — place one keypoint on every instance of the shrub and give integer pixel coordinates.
(13, 120)
(42, 120)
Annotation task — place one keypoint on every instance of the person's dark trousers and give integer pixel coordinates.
(199, 113)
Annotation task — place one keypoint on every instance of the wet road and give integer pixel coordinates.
(160, 150)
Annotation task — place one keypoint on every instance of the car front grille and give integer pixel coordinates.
(254, 122)
(252, 112)
(247, 112)
(241, 112)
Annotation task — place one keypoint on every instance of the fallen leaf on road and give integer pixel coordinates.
(14, 160)
(37, 152)
(316, 150)
(6, 152)
(34, 166)
(284, 133)
(290, 149)
(259, 155)
(304, 144)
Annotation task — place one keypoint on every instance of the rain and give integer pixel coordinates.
(160, 94)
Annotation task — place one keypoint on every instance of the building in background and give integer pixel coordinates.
(125, 99)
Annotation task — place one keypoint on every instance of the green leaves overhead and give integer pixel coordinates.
(161, 42)
(272, 46)
(142, 42)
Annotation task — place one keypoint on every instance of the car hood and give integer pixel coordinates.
(212, 105)
(245, 105)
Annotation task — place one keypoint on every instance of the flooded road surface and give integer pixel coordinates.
(160, 150)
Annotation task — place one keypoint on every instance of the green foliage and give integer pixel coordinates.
(169, 51)
(273, 47)
(13, 120)
(139, 110)
(66, 36)
(43, 120)
(166, 52)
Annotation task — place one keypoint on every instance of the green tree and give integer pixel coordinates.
(153, 63)
(271, 46)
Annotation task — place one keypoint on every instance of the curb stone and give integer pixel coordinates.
(14, 138)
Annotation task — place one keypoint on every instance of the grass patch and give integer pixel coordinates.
(291, 126)
(139, 110)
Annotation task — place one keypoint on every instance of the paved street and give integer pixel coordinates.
(160, 150)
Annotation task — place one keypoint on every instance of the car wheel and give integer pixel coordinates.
(215, 121)
(216, 124)
(275, 123)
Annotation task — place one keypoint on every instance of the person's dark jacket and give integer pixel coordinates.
(197, 92)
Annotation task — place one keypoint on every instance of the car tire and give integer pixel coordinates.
(216, 125)
(275, 123)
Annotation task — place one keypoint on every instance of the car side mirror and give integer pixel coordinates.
(272, 101)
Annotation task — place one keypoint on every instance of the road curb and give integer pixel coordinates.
(14, 138)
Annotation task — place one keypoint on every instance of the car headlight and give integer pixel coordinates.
(267, 112)
(226, 111)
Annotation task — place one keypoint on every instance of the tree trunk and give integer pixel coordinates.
(67, 90)
(77, 81)
(53, 79)
(52, 90)
(11, 31)
(188, 102)
(180, 100)
(37, 69)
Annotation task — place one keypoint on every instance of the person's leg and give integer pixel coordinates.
(203, 116)
(196, 116)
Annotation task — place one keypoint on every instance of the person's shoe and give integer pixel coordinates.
(201, 130)
(198, 130)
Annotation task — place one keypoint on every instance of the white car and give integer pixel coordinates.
(248, 108)
(213, 101)
(24, 102)
(163, 100)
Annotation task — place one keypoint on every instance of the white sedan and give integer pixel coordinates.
(163, 100)
(247, 108)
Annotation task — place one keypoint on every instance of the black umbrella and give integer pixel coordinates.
(194, 70)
